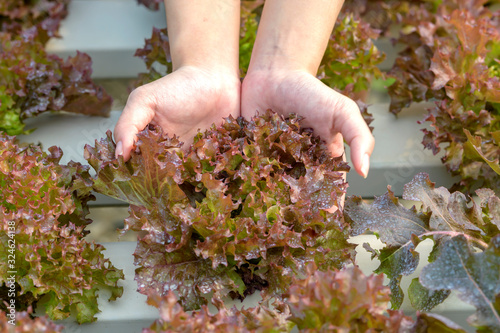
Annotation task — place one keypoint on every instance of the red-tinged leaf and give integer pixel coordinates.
(40, 19)
(476, 144)
(191, 277)
(449, 211)
(351, 57)
(475, 276)
(23, 322)
(490, 205)
(45, 203)
(33, 82)
(429, 322)
(451, 57)
(243, 193)
(343, 300)
(327, 301)
(174, 319)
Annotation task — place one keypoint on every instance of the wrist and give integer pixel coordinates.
(277, 62)
(215, 70)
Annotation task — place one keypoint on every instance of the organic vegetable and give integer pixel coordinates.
(32, 82)
(39, 19)
(330, 301)
(243, 209)
(43, 208)
(452, 58)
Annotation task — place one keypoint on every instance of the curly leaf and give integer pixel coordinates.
(46, 204)
(247, 198)
(476, 144)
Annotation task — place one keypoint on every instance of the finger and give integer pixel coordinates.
(336, 145)
(135, 117)
(357, 135)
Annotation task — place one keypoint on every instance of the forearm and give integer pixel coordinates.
(293, 34)
(204, 33)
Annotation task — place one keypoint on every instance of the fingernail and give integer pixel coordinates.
(119, 149)
(365, 165)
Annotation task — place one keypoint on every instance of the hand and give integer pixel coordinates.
(182, 102)
(331, 115)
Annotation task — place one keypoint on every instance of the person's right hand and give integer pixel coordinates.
(182, 102)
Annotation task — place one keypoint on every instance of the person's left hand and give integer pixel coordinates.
(332, 116)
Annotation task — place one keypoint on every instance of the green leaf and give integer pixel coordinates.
(246, 196)
(343, 300)
(429, 322)
(396, 262)
(475, 144)
(475, 276)
(393, 223)
(449, 211)
(46, 203)
(441, 216)
(33, 81)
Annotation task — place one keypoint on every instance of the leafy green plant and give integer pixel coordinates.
(466, 251)
(39, 19)
(351, 59)
(452, 58)
(24, 323)
(33, 81)
(42, 209)
(243, 209)
(155, 54)
(174, 319)
(250, 17)
(330, 301)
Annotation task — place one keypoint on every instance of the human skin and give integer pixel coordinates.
(205, 87)
(291, 40)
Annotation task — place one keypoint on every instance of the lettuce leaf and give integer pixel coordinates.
(32, 82)
(243, 209)
(37, 18)
(43, 208)
(452, 58)
(329, 301)
(25, 323)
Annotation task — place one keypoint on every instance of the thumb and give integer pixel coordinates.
(358, 136)
(135, 117)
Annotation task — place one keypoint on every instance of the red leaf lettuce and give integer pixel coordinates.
(38, 18)
(452, 57)
(243, 209)
(32, 82)
(42, 211)
(330, 301)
